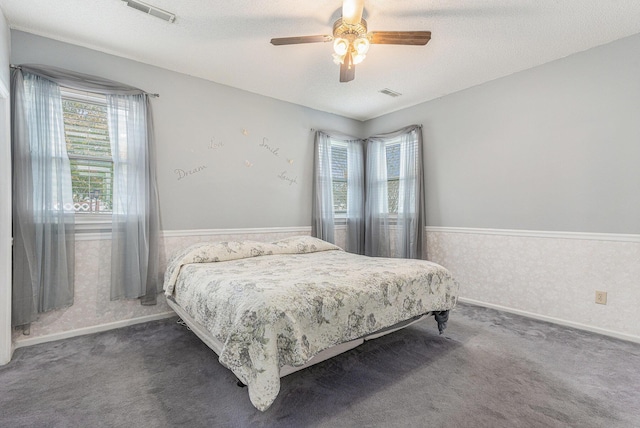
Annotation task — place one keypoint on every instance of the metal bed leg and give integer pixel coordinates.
(441, 318)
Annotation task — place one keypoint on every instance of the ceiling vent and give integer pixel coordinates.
(150, 10)
(389, 92)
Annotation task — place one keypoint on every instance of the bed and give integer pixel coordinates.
(270, 309)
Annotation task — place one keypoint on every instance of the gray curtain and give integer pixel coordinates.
(323, 221)
(134, 244)
(135, 235)
(355, 197)
(408, 230)
(377, 238)
(43, 214)
(322, 218)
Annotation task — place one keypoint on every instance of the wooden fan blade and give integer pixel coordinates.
(400, 37)
(347, 69)
(301, 39)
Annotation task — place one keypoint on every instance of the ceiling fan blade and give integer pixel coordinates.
(279, 41)
(352, 11)
(347, 69)
(400, 37)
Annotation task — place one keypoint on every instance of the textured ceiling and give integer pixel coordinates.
(473, 41)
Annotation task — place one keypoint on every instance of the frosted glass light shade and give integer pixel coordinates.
(340, 46)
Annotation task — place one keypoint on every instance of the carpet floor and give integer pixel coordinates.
(489, 369)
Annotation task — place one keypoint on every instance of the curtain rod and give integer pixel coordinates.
(17, 67)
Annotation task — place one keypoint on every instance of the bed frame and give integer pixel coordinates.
(441, 318)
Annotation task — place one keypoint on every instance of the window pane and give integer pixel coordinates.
(339, 173)
(91, 181)
(393, 161)
(87, 135)
(392, 193)
(393, 175)
(86, 129)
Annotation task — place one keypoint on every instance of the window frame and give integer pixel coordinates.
(394, 142)
(340, 217)
(88, 221)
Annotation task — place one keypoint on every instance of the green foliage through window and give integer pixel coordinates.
(89, 150)
(339, 171)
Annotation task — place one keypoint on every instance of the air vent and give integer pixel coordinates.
(150, 10)
(389, 92)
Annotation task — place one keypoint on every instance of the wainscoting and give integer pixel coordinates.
(93, 311)
(550, 276)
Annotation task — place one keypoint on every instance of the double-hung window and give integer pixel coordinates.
(89, 150)
(339, 177)
(392, 150)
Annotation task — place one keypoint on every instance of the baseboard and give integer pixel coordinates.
(90, 330)
(615, 237)
(559, 321)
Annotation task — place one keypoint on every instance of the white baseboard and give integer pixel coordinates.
(90, 330)
(559, 321)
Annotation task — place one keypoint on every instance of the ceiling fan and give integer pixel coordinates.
(351, 40)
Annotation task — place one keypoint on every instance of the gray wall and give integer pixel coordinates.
(553, 148)
(235, 182)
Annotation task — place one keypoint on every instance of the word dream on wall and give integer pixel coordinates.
(265, 145)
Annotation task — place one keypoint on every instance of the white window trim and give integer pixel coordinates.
(88, 222)
(92, 222)
(339, 217)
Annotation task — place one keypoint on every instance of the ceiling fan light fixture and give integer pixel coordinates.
(351, 39)
(340, 46)
(361, 45)
(357, 59)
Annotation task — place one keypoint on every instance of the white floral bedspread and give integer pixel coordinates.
(273, 304)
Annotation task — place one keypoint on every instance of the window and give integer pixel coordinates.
(339, 175)
(88, 147)
(393, 175)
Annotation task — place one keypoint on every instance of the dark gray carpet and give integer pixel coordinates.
(490, 369)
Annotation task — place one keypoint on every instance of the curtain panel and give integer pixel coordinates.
(134, 242)
(43, 214)
(323, 217)
(408, 224)
(355, 197)
(43, 248)
(371, 228)
(377, 238)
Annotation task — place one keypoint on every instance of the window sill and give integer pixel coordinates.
(87, 223)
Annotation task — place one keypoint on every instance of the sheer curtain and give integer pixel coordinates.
(411, 215)
(43, 214)
(377, 238)
(135, 235)
(355, 197)
(322, 218)
(408, 230)
(134, 244)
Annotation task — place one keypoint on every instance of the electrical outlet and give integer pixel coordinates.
(601, 297)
